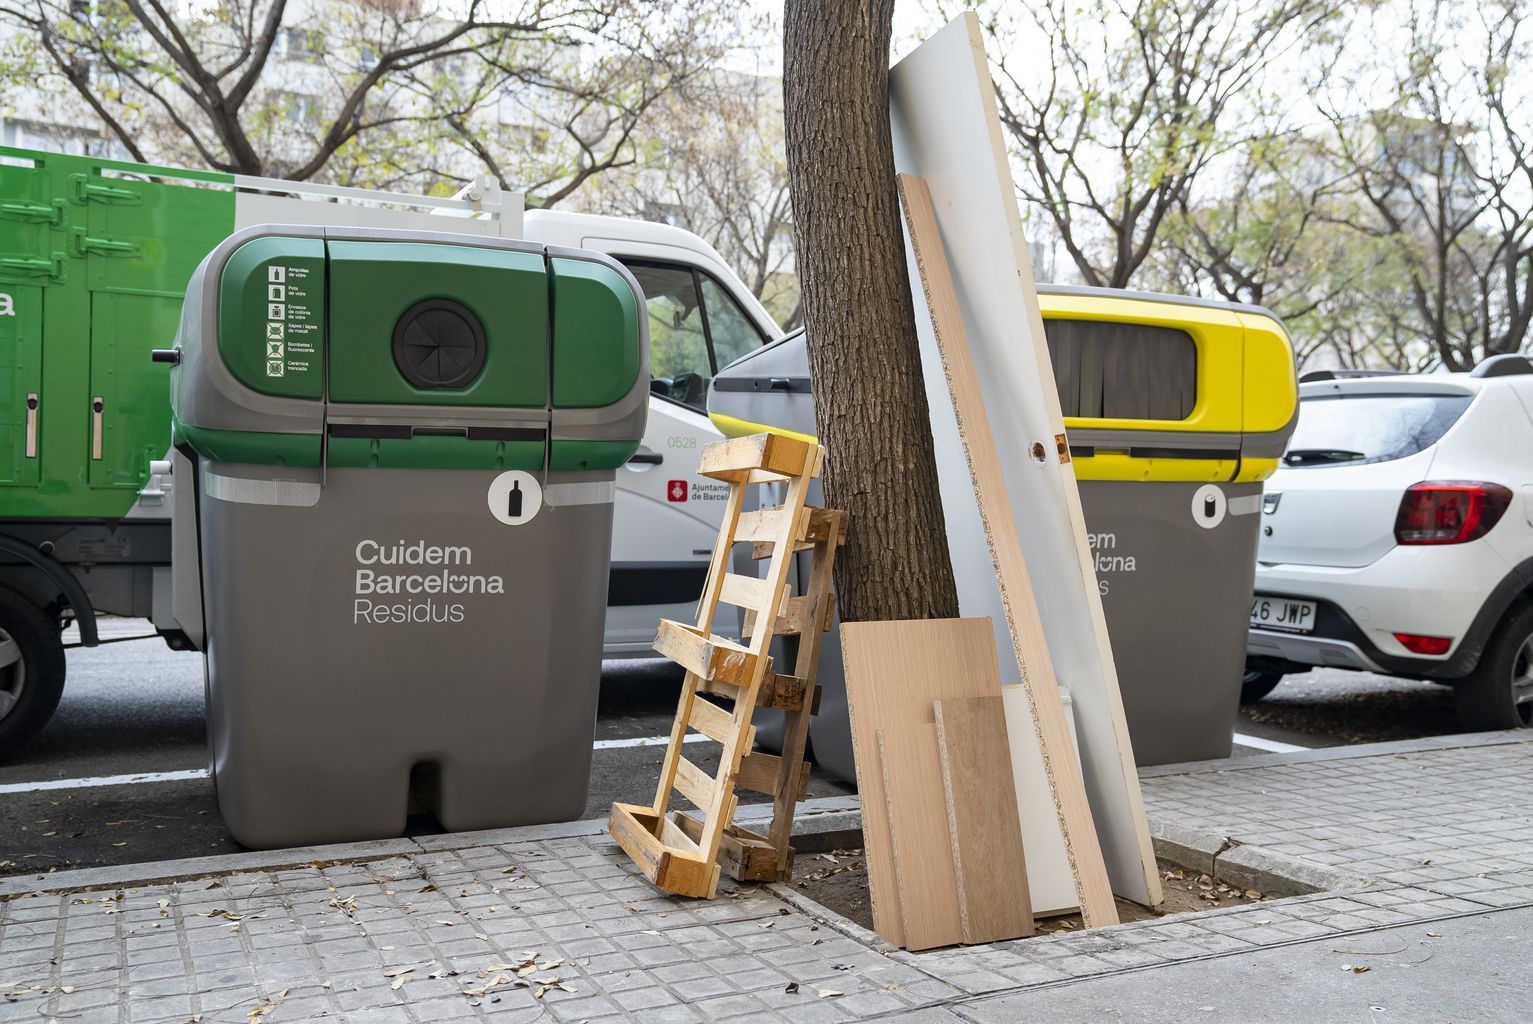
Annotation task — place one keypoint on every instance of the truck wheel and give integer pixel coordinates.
(1498, 694)
(31, 670)
(1255, 685)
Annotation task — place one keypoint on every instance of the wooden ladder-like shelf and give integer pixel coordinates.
(682, 852)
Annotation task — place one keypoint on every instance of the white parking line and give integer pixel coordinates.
(644, 741)
(1264, 744)
(202, 773)
(103, 780)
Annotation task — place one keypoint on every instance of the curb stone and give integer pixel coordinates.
(827, 823)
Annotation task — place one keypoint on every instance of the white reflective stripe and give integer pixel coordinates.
(598, 492)
(1264, 744)
(1249, 505)
(289, 493)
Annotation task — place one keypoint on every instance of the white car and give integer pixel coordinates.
(1398, 537)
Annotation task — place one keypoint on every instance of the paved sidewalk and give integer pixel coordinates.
(1434, 840)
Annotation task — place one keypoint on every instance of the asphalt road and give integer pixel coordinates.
(136, 708)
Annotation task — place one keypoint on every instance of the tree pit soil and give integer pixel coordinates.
(838, 881)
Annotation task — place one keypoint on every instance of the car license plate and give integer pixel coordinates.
(1282, 613)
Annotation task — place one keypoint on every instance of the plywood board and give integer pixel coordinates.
(1050, 882)
(946, 131)
(918, 833)
(1019, 604)
(894, 671)
(984, 830)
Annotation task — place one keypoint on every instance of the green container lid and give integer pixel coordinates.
(596, 318)
(501, 292)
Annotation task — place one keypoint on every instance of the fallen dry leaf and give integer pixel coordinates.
(828, 993)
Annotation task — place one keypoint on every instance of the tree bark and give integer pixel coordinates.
(869, 399)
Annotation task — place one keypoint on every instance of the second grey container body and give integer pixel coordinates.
(325, 705)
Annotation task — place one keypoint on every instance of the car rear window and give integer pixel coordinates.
(1348, 430)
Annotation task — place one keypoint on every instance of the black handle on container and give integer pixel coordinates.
(780, 384)
(165, 355)
(647, 458)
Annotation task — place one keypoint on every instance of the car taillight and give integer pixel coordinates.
(1417, 644)
(1449, 511)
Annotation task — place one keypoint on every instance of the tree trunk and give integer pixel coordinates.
(869, 399)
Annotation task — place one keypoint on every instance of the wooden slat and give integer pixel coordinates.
(758, 773)
(704, 655)
(894, 670)
(766, 524)
(737, 457)
(694, 784)
(747, 856)
(819, 527)
(781, 691)
(632, 826)
(745, 592)
(673, 835)
(1023, 616)
(985, 833)
(918, 833)
(711, 720)
(790, 621)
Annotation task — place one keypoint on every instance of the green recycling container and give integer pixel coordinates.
(395, 459)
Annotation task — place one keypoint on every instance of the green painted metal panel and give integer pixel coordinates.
(108, 257)
(373, 283)
(21, 376)
(596, 319)
(271, 316)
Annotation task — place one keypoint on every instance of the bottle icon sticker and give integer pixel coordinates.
(1209, 506)
(515, 497)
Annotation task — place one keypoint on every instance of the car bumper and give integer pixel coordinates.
(1426, 591)
(1307, 649)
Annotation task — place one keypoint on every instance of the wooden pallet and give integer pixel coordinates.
(683, 852)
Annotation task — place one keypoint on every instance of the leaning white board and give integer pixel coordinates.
(1049, 879)
(946, 130)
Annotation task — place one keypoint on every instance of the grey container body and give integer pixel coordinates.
(1177, 598)
(323, 708)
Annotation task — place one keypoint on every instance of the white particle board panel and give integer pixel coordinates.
(946, 131)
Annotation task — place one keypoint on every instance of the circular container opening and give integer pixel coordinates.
(439, 343)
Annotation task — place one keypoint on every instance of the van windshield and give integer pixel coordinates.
(1338, 430)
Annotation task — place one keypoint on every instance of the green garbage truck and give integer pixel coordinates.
(95, 258)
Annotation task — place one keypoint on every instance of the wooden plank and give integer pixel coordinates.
(765, 524)
(791, 621)
(694, 784)
(632, 826)
(1050, 882)
(708, 657)
(747, 856)
(1000, 525)
(759, 773)
(821, 520)
(711, 720)
(894, 670)
(918, 833)
(736, 458)
(945, 128)
(745, 592)
(984, 829)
